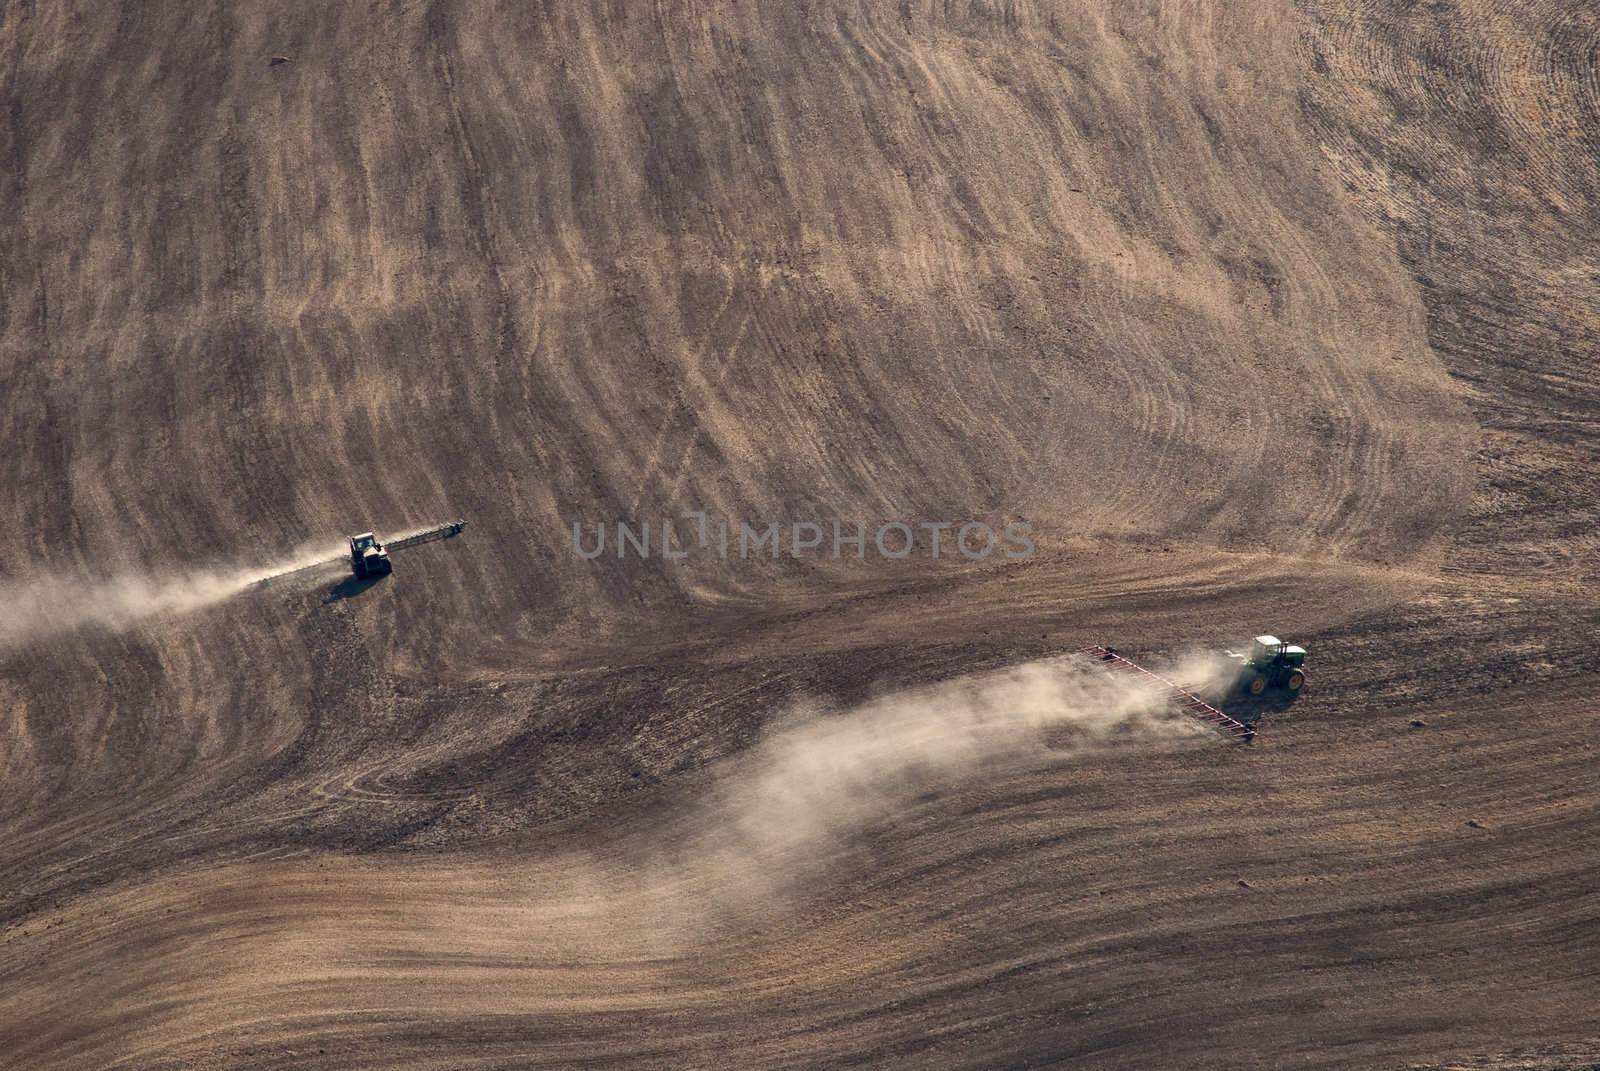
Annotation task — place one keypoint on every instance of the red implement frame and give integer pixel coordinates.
(1191, 704)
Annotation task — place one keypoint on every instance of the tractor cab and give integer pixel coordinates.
(1271, 651)
(1264, 649)
(368, 558)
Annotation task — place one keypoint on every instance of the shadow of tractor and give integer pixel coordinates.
(350, 587)
(1250, 709)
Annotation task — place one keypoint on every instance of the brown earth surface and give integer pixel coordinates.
(1262, 316)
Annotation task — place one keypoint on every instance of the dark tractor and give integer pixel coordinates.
(368, 558)
(1271, 663)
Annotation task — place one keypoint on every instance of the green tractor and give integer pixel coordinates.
(1271, 663)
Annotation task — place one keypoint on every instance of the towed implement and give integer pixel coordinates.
(1229, 728)
(368, 558)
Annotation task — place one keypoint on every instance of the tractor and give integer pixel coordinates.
(368, 558)
(1270, 663)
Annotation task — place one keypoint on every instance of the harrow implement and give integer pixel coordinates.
(273, 577)
(426, 535)
(1230, 728)
(410, 539)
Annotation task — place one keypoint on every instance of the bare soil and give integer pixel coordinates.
(1263, 317)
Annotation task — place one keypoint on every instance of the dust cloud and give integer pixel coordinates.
(49, 607)
(1204, 671)
(780, 821)
(794, 804)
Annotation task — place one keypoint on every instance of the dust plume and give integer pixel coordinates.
(1204, 671)
(797, 799)
(781, 817)
(52, 606)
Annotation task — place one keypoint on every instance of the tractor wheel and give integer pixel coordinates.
(1257, 685)
(1296, 679)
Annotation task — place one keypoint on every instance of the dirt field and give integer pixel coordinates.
(1261, 316)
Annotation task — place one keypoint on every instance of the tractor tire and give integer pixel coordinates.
(1256, 685)
(1296, 679)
